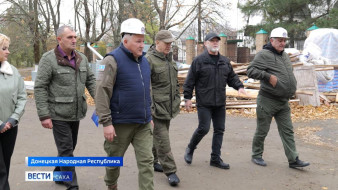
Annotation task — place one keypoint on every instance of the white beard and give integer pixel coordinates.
(212, 49)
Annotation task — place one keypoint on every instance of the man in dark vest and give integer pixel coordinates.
(123, 104)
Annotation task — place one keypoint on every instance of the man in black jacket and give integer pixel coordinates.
(209, 74)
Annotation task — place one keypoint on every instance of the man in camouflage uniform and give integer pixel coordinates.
(166, 101)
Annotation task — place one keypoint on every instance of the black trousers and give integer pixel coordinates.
(65, 136)
(205, 115)
(7, 143)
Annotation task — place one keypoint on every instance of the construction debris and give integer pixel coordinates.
(245, 105)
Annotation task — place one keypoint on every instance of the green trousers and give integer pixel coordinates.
(162, 150)
(141, 137)
(280, 110)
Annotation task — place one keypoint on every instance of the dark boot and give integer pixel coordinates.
(188, 155)
(298, 164)
(112, 187)
(158, 167)
(258, 161)
(219, 163)
(173, 179)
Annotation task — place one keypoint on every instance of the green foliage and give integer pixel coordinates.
(329, 21)
(21, 48)
(146, 12)
(102, 48)
(293, 15)
(151, 31)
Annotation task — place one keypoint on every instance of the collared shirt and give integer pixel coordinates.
(71, 60)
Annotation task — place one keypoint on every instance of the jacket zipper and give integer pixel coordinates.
(286, 69)
(215, 89)
(170, 95)
(77, 98)
(144, 94)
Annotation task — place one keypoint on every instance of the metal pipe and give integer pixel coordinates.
(94, 51)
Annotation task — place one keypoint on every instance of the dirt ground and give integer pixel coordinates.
(317, 142)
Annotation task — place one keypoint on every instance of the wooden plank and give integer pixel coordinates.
(319, 66)
(242, 106)
(252, 94)
(240, 102)
(322, 96)
(304, 92)
(237, 64)
(240, 71)
(294, 100)
(297, 64)
(329, 93)
(335, 67)
(294, 59)
(325, 69)
(252, 85)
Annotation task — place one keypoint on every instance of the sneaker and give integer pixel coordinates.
(158, 167)
(173, 179)
(219, 164)
(258, 161)
(298, 164)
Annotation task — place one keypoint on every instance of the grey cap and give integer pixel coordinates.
(210, 36)
(165, 36)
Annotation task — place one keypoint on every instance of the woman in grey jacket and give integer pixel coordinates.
(12, 100)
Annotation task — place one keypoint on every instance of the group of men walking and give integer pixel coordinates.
(138, 95)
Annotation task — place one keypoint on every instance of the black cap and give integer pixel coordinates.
(210, 36)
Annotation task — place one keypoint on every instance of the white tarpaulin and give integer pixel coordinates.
(327, 40)
(321, 48)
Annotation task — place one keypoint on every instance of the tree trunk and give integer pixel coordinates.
(36, 34)
(199, 30)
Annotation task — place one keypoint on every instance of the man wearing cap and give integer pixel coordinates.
(123, 105)
(273, 68)
(166, 102)
(209, 74)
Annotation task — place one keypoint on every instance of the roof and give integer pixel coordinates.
(314, 27)
(222, 35)
(234, 41)
(261, 31)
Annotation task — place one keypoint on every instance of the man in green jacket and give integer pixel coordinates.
(166, 101)
(60, 96)
(273, 68)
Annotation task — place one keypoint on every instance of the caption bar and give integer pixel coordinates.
(48, 176)
(74, 161)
